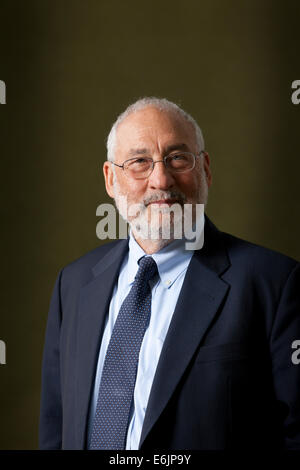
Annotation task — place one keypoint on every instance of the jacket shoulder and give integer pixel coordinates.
(80, 269)
(256, 257)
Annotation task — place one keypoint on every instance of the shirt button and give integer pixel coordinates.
(168, 282)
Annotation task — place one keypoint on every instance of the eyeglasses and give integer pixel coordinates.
(142, 167)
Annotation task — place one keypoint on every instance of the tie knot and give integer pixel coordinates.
(147, 269)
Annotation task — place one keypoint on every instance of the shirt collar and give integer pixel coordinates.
(171, 260)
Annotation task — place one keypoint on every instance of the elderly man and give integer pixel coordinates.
(150, 345)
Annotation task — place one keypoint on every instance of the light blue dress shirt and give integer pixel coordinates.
(172, 263)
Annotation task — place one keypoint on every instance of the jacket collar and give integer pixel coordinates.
(201, 295)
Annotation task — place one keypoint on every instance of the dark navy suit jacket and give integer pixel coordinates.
(225, 378)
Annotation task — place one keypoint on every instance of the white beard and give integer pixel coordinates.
(163, 224)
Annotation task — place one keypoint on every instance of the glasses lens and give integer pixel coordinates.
(138, 167)
(182, 161)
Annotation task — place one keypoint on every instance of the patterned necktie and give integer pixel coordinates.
(120, 365)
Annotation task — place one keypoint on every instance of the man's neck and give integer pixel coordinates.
(152, 246)
(193, 241)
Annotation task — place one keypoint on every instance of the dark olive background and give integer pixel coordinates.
(70, 67)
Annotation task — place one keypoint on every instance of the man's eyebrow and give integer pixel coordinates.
(144, 151)
(133, 152)
(180, 146)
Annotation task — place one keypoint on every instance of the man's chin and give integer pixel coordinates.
(153, 233)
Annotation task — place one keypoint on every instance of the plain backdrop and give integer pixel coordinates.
(70, 67)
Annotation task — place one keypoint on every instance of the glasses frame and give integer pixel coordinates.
(164, 160)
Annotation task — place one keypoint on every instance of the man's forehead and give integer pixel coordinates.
(150, 125)
(167, 148)
(151, 118)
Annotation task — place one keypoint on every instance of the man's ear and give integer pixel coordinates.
(109, 178)
(206, 165)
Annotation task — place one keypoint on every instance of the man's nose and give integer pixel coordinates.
(160, 178)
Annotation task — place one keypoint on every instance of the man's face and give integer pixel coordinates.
(154, 133)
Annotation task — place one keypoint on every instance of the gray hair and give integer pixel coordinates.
(159, 103)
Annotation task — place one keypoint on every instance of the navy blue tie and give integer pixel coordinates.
(120, 365)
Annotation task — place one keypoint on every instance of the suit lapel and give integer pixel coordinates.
(201, 296)
(93, 306)
(202, 293)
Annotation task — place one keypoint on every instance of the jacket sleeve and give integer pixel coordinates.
(286, 374)
(50, 430)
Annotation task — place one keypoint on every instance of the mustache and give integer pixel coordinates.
(164, 195)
